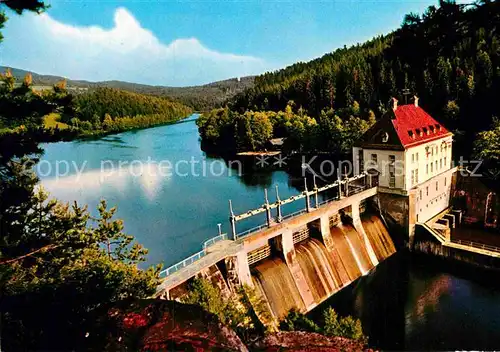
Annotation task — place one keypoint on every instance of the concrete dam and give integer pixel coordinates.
(297, 260)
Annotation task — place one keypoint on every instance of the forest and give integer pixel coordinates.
(115, 110)
(332, 131)
(25, 110)
(448, 56)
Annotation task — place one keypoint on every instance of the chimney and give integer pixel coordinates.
(415, 101)
(394, 104)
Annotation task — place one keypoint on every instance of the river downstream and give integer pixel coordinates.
(171, 196)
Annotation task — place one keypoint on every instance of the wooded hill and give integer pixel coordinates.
(203, 97)
(449, 56)
(95, 104)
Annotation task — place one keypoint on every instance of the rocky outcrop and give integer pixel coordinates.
(306, 341)
(159, 325)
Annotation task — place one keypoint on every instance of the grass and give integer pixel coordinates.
(52, 121)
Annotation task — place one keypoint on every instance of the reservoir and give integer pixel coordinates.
(171, 211)
(172, 196)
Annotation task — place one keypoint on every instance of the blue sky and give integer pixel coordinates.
(189, 42)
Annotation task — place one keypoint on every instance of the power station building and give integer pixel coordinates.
(409, 155)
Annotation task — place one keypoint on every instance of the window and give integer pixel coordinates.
(361, 161)
(436, 165)
(420, 196)
(392, 159)
(410, 133)
(432, 167)
(427, 191)
(440, 163)
(445, 179)
(414, 177)
(416, 157)
(392, 180)
(413, 158)
(427, 169)
(418, 131)
(437, 185)
(374, 158)
(445, 164)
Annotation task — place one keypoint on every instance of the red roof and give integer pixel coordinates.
(414, 126)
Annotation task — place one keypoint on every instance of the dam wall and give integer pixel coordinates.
(316, 270)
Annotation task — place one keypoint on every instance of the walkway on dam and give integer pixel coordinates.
(464, 243)
(215, 253)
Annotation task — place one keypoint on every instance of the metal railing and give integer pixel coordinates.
(172, 269)
(214, 240)
(329, 200)
(252, 230)
(477, 245)
(263, 226)
(296, 213)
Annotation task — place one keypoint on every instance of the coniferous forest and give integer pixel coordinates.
(449, 56)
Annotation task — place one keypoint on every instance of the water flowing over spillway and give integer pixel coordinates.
(318, 268)
(326, 270)
(344, 256)
(358, 249)
(275, 282)
(379, 237)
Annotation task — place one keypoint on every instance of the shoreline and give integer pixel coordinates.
(54, 135)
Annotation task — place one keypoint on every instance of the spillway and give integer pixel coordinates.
(325, 270)
(318, 268)
(379, 237)
(343, 256)
(358, 248)
(275, 283)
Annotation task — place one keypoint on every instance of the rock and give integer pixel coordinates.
(306, 341)
(160, 325)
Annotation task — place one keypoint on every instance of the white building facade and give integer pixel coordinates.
(408, 152)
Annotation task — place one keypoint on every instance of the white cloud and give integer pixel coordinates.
(125, 52)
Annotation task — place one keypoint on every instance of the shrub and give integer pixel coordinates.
(297, 321)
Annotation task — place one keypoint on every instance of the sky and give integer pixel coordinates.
(182, 43)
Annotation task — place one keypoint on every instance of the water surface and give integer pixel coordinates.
(420, 304)
(170, 213)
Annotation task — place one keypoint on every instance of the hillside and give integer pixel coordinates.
(449, 56)
(198, 97)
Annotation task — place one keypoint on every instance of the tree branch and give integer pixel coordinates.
(43, 249)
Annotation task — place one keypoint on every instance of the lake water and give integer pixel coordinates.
(171, 213)
(402, 304)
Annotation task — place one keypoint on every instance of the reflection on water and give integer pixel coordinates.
(413, 304)
(148, 176)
